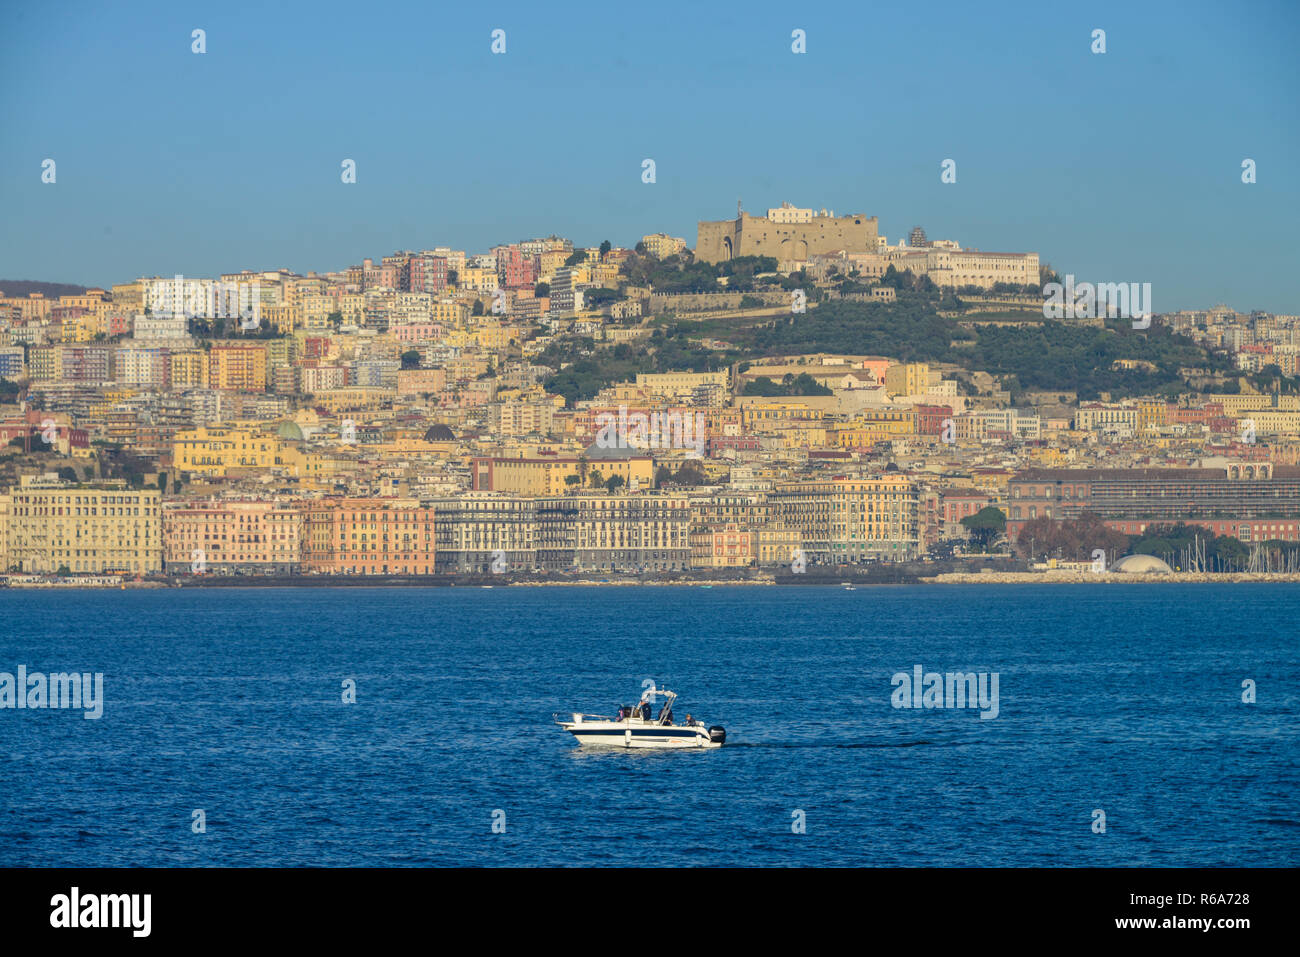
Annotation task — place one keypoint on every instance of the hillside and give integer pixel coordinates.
(1042, 356)
(16, 288)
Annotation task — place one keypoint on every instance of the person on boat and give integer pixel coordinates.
(645, 710)
(690, 722)
(666, 713)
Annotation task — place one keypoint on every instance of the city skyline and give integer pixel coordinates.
(414, 415)
(234, 162)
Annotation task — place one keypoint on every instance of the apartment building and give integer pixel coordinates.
(238, 368)
(368, 536)
(554, 475)
(217, 449)
(104, 527)
(232, 537)
(714, 507)
(909, 378)
(852, 520)
(626, 533)
(674, 384)
(776, 544)
(722, 546)
(1251, 501)
(479, 532)
(661, 245)
(6, 509)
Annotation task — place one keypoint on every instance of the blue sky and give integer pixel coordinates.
(1124, 166)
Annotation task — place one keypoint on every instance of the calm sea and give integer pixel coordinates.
(1121, 699)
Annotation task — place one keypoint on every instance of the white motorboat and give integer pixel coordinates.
(634, 727)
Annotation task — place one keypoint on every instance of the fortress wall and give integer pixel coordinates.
(759, 236)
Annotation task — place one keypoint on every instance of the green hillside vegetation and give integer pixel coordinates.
(1042, 356)
(19, 288)
(802, 384)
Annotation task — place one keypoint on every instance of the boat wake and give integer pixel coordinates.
(837, 744)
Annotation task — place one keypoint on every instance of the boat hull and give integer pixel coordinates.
(618, 734)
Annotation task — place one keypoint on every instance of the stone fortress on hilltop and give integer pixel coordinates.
(788, 234)
(817, 241)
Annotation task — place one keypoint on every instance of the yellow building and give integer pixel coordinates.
(551, 261)
(6, 508)
(450, 311)
(479, 278)
(89, 299)
(217, 449)
(80, 328)
(494, 336)
(283, 318)
(239, 368)
(1047, 456)
(678, 383)
(908, 378)
(1234, 404)
(1152, 414)
(1271, 421)
(188, 369)
(128, 297)
(876, 425)
(352, 399)
(553, 475)
(98, 528)
(802, 435)
(314, 310)
(852, 520)
(661, 245)
(776, 544)
(763, 413)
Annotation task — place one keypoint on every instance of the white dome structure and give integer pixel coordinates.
(1141, 565)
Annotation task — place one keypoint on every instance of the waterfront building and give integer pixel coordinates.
(101, 527)
(852, 520)
(368, 536)
(232, 537)
(1252, 501)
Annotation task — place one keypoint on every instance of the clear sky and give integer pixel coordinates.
(1116, 167)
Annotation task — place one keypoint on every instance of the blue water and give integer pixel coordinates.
(1120, 698)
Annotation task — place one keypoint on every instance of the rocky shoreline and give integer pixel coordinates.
(1091, 578)
(842, 578)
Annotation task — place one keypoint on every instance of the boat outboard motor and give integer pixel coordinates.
(717, 734)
